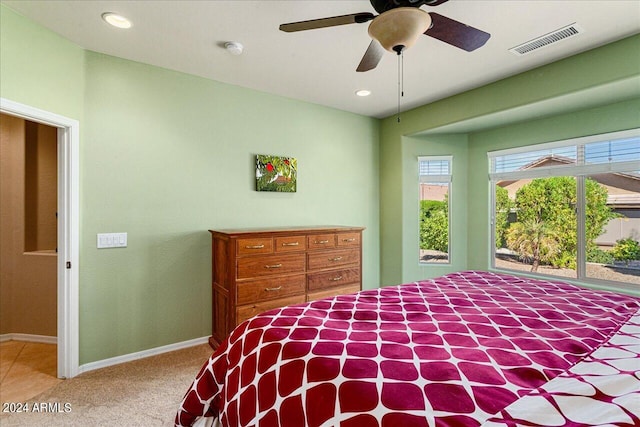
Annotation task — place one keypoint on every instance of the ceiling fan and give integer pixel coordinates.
(398, 26)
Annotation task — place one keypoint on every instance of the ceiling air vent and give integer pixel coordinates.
(551, 38)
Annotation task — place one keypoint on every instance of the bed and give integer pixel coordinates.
(465, 349)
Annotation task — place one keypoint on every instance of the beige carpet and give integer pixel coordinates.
(146, 392)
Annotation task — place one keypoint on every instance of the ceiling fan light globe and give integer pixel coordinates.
(399, 27)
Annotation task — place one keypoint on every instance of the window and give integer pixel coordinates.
(569, 208)
(435, 200)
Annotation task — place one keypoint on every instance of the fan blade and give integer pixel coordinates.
(371, 57)
(354, 18)
(456, 33)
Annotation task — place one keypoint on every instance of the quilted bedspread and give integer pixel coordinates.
(466, 349)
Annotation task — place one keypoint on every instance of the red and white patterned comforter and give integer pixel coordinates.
(465, 349)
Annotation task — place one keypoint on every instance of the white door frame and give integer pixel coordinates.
(68, 229)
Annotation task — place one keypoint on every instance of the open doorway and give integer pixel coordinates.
(28, 257)
(63, 253)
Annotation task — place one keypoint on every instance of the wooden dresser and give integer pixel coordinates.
(255, 270)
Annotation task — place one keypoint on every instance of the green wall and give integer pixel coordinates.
(166, 156)
(594, 92)
(39, 68)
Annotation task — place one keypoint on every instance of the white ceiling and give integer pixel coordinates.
(319, 65)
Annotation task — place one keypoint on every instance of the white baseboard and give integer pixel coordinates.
(44, 339)
(141, 354)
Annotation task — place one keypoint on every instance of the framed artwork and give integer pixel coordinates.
(276, 173)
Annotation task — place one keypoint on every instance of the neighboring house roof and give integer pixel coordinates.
(544, 161)
(433, 192)
(624, 201)
(548, 160)
(623, 188)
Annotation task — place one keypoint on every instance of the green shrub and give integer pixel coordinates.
(434, 225)
(626, 250)
(599, 256)
(565, 260)
(551, 204)
(503, 208)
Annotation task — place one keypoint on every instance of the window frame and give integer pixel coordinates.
(580, 170)
(437, 178)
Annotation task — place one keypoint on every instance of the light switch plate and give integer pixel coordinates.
(111, 240)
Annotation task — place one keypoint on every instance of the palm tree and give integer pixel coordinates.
(533, 239)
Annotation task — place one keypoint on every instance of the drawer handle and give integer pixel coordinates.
(291, 244)
(321, 242)
(338, 258)
(336, 279)
(273, 266)
(254, 247)
(273, 289)
(349, 240)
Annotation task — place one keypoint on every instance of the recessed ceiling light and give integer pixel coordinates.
(116, 20)
(363, 92)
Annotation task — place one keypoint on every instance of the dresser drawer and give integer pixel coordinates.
(328, 279)
(332, 292)
(244, 312)
(291, 244)
(330, 259)
(269, 265)
(321, 241)
(254, 246)
(269, 288)
(348, 239)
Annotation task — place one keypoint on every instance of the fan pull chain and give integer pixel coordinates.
(400, 78)
(402, 61)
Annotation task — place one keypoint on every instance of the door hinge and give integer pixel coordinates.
(68, 264)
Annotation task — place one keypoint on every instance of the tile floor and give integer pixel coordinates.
(26, 370)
